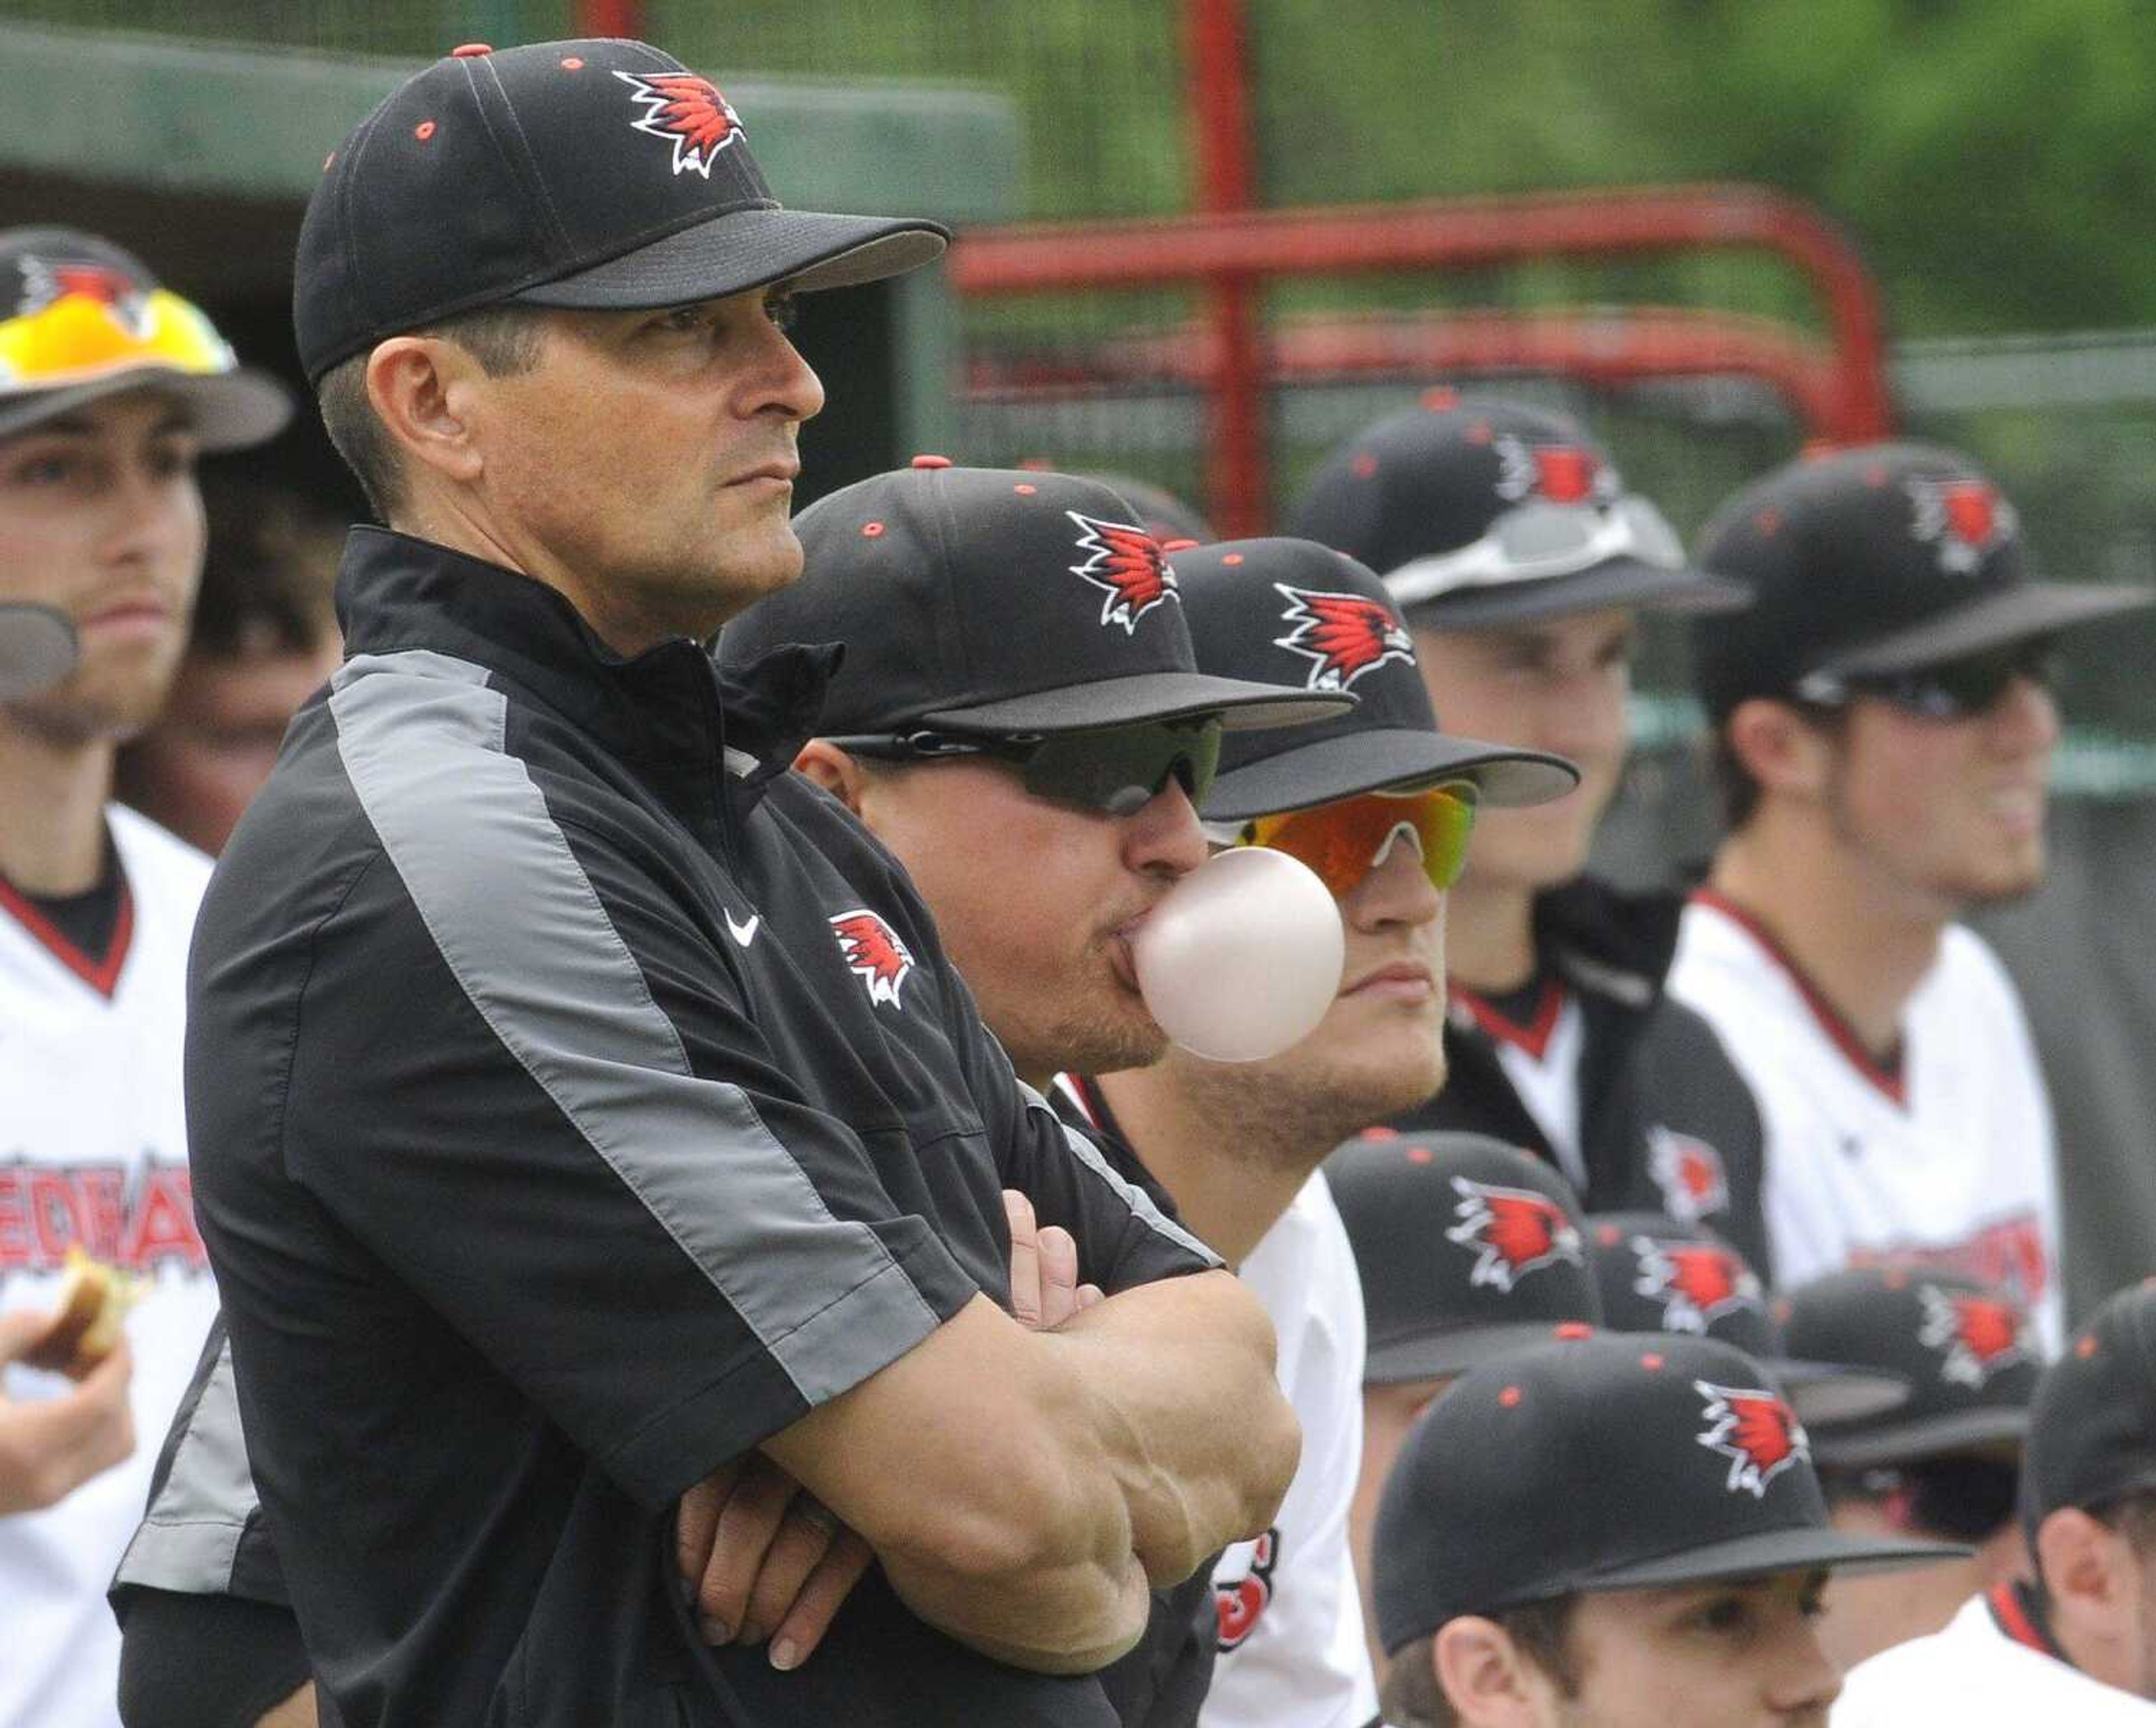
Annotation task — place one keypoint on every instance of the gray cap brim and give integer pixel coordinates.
(1998, 1430)
(1393, 759)
(1438, 1355)
(1834, 1391)
(1242, 705)
(1620, 582)
(37, 650)
(741, 249)
(2012, 615)
(1805, 1548)
(229, 411)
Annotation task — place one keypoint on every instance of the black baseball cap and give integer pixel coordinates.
(1612, 1461)
(1478, 512)
(1162, 515)
(1292, 612)
(2092, 1422)
(38, 648)
(1656, 1274)
(1881, 559)
(82, 319)
(997, 603)
(600, 175)
(1467, 1248)
(1966, 1349)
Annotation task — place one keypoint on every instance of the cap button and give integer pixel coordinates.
(470, 51)
(932, 461)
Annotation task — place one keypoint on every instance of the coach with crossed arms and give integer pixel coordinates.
(587, 1103)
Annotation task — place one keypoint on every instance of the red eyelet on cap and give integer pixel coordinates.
(424, 131)
(1439, 399)
(1651, 1361)
(1511, 1396)
(1363, 465)
(1569, 1330)
(2085, 1346)
(869, 531)
(1025, 489)
(932, 461)
(470, 51)
(1233, 558)
(1420, 1155)
(573, 64)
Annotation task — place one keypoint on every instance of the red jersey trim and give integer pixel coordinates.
(2012, 1617)
(101, 972)
(1091, 1105)
(1842, 1035)
(1534, 1037)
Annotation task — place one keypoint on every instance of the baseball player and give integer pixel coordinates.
(1620, 1530)
(110, 386)
(1523, 565)
(1883, 726)
(1379, 802)
(1465, 1249)
(2075, 1641)
(1947, 1464)
(604, 1146)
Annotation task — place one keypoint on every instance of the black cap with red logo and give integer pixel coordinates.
(1467, 1248)
(1966, 1348)
(1656, 1274)
(1882, 559)
(1292, 612)
(597, 174)
(997, 603)
(1614, 1461)
(2092, 1423)
(1480, 512)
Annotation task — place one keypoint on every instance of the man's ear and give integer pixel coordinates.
(2079, 1559)
(831, 768)
(1481, 1672)
(420, 387)
(1778, 747)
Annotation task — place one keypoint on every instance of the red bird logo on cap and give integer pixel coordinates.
(1127, 565)
(874, 953)
(1563, 473)
(1512, 1231)
(1341, 635)
(686, 110)
(1975, 1335)
(1689, 1173)
(1696, 1282)
(44, 283)
(1964, 518)
(1756, 1431)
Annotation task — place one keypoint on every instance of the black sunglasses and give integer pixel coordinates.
(1952, 689)
(1115, 769)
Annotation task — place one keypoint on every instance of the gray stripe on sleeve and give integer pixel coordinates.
(1139, 1202)
(191, 1534)
(421, 737)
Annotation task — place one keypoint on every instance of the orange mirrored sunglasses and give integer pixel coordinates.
(80, 337)
(1343, 841)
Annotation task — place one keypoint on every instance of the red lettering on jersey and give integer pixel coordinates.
(1242, 1603)
(14, 1220)
(2011, 1253)
(165, 1224)
(47, 1208)
(55, 1217)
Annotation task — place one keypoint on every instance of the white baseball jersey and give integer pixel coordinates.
(1542, 1063)
(93, 1149)
(1977, 1674)
(1949, 1162)
(1292, 1651)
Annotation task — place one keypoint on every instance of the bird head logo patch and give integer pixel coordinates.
(1127, 565)
(1756, 1431)
(45, 283)
(688, 112)
(1510, 1232)
(1696, 1282)
(873, 953)
(1342, 636)
(1975, 1335)
(1689, 1173)
(1562, 474)
(1963, 519)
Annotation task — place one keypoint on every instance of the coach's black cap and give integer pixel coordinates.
(1656, 1274)
(1480, 512)
(1966, 1351)
(1614, 1461)
(595, 174)
(2092, 1423)
(1292, 612)
(82, 319)
(1467, 1248)
(997, 603)
(1881, 559)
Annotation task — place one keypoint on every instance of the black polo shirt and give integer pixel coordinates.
(577, 1099)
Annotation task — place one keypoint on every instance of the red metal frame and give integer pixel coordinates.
(1253, 246)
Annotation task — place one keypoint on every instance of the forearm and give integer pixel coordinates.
(1179, 1378)
(1071, 1619)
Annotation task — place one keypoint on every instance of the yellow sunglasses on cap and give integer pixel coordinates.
(1343, 841)
(79, 338)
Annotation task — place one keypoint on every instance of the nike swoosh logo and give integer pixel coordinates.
(743, 933)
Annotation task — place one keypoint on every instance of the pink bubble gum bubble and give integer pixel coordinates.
(1243, 957)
